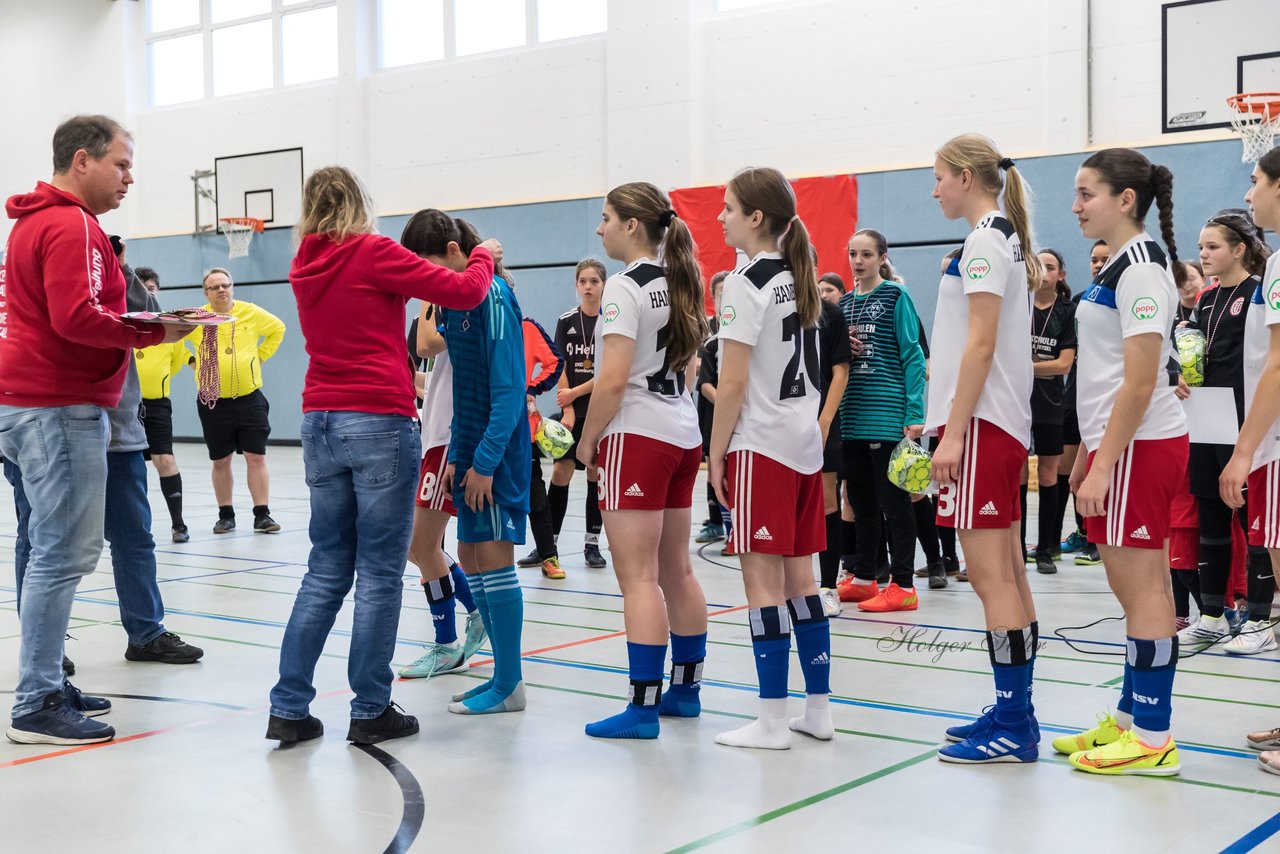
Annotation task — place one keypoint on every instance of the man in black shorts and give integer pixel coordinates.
(239, 423)
(156, 368)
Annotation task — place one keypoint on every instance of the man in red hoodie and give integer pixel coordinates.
(64, 351)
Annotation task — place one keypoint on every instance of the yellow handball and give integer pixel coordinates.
(553, 438)
(1190, 344)
(911, 468)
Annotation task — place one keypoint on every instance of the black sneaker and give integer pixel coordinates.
(952, 564)
(937, 575)
(530, 560)
(68, 667)
(287, 731)
(392, 723)
(595, 560)
(264, 524)
(180, 534)
(166, 649)
(58, 723)
(224, 526)
(1088, 556)
(86, 705)
(1045, 564)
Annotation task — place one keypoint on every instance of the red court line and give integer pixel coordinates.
(337, 692)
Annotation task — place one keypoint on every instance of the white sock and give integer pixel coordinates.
(1151, 738)
(1124, 720)
(816, 720)
(767, 732)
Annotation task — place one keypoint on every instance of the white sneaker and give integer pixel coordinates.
(830, 601)
(1255, 637)
(1204, 633)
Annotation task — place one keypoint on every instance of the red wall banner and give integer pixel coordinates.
(828, 206)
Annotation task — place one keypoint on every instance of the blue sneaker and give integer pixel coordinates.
(961, 732)
(57, 723)
(994, 742)
(1075, 542)
(88, 706)
(1236, 618)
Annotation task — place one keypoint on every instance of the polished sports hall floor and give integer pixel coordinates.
(190, 769)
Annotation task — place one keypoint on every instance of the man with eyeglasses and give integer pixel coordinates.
(239, 422)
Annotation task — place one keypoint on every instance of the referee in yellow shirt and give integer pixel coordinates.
(239, 422)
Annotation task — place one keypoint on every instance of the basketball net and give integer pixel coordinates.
(1256, 118)
(239, 231)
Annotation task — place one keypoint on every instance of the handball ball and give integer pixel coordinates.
(553, 438)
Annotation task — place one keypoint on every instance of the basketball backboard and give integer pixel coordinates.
(1213, 49)
(266, 185)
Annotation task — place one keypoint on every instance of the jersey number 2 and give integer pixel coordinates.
(665, 381)
(805, 342)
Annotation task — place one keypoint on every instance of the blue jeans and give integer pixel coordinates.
(128, 529)
(362, 470)
(62, 454)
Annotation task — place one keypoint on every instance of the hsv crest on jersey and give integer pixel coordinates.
(727, 315)
(610, 313)
(1145, 308)
(978, 268)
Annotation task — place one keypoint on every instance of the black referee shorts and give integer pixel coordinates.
(157, 420)
(236, 425)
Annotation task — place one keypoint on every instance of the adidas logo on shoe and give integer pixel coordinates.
(822, 658)
(999, 747)
(634, 491)
(989, 509)
(1141, 534)
(762, 534)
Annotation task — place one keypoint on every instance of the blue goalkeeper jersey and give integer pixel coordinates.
(490, 427)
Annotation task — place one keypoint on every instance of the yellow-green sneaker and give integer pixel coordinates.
(1104, 733)
(1129, 755)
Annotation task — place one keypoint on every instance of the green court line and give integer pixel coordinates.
(767, 817)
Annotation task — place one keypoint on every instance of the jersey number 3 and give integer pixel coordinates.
(805, 342)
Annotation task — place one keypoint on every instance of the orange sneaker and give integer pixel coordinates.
(850, 592)
(892, 598)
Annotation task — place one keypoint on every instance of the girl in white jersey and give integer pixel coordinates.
(766, 449)
(980, 408)
(645, 426)
(1134, 434)
(1257, 454)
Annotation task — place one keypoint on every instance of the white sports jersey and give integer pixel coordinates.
(1133, 295)
(990, 263)
(779, 416)
(1257, 342)
(655, 403)
(437, 403)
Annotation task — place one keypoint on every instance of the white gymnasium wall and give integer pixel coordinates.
(674, 92)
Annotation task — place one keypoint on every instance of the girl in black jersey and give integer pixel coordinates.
(1053, 352)
(1190, 290)
(1232, 251)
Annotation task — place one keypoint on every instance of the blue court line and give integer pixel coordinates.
(883, 707)
(715, 605)
(1044, 637)
(1255, 837)
(217, 574)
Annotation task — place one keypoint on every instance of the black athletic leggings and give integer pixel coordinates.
(871, 494)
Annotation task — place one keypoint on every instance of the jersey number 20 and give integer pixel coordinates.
(665, 381)
(805, 342)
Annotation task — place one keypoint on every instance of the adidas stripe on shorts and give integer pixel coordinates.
(640, 473)
(986, 495)
(1264, 506)
(1140, 494)
(430, 495)
(775, 509)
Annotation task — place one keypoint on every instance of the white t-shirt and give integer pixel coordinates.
(437, 403)
(655, 403)
(1133, 295)
(779, 416)
(1257, 342)
(990, 263)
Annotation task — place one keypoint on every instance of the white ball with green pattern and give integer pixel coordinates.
(1191, 347)
(910, 469)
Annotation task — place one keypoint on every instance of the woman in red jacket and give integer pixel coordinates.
(360, 444)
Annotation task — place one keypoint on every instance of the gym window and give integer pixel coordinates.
(209, 48)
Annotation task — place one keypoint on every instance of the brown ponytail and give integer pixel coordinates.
(1162, 188)
(687, 322)
(767, 190)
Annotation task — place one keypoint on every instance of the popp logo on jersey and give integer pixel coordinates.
(727, 315)
(611, 312)
(1273, 295)
(1145, 308)
(978, 268)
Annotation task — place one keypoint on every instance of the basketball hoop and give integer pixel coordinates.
(239, 231)
(1256, 118)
